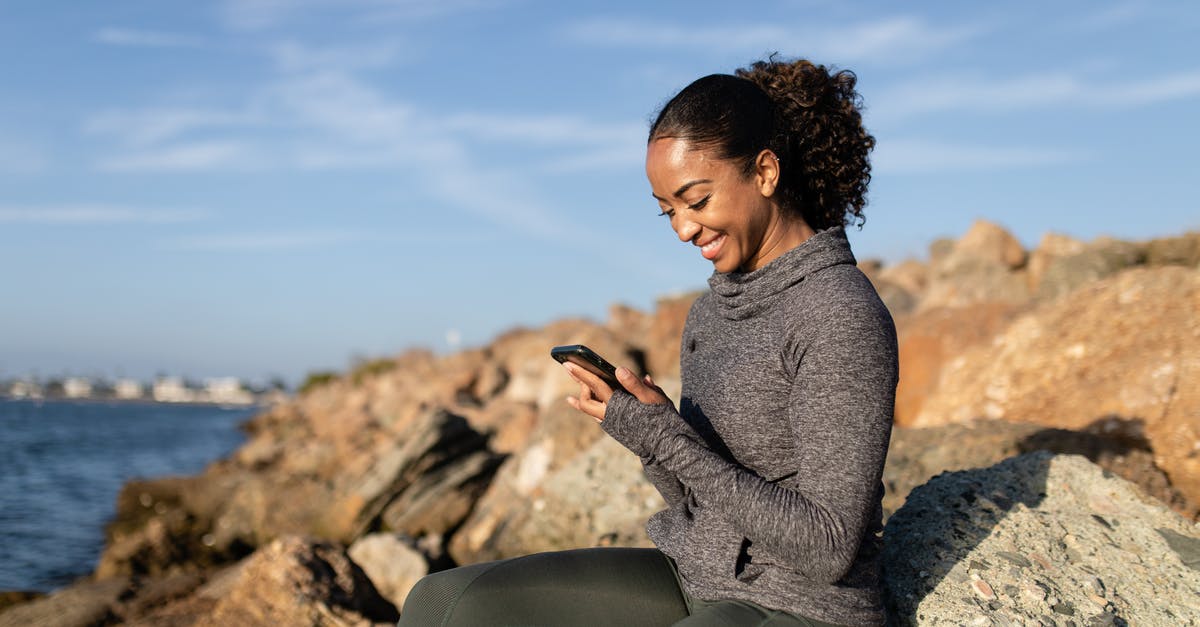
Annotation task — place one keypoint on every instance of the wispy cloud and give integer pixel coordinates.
(936, 94)
(266, 14)
(541, 129)
(144, 38)
(295, 57)
(155, 125)
(1112, 16)
(269, 240)
(186, 157)
(919, 156)
(96, 215)
(887, 40)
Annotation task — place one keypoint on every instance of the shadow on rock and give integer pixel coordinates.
(1038, 539)
(943, 521)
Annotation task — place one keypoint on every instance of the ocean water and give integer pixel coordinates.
(62, 464)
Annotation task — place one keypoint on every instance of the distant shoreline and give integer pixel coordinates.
(135, 401)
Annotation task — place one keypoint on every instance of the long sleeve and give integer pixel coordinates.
(663, 480)
(789, 375)
(840, 409)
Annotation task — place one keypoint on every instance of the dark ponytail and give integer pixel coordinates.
(809, 118)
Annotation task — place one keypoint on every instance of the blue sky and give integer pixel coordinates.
(270, 187)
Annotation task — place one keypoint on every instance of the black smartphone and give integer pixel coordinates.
(587, 359)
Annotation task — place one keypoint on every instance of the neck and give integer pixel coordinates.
(785, 233)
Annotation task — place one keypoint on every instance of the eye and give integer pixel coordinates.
(668, 213)
(699, 204)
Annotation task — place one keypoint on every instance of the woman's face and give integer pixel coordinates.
(731, 218)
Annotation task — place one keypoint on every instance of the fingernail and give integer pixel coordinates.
(624, 372)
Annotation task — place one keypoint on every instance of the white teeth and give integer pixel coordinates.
(712, 244)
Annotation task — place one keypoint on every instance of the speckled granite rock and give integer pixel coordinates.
(1039, 539)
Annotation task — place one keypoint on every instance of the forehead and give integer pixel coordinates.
(670, 159)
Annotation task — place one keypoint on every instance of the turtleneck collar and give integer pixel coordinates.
(741, 295)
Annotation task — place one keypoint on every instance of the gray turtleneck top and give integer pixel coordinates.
(771, 466)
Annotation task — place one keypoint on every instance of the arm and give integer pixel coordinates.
(664, 480)
(592, 390)
(840, 409)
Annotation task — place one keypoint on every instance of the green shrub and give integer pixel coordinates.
(371, 367)
(315, 380)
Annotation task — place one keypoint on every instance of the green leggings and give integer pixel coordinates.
(607, 586)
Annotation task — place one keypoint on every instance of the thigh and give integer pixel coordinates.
(604, 586)
(742, 614)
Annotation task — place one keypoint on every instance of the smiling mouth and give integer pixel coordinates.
(712, 248)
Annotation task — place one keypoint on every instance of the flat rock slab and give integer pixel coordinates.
(1039, 539)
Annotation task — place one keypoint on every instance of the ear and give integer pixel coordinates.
(766, 167)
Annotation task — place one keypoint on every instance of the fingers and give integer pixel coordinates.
(587, 402)
(598, 387)
(643, 390)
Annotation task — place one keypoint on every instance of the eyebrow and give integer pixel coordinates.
(686, 186)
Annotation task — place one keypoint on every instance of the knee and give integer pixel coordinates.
(433, 599)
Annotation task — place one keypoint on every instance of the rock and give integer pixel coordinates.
(298, 581)
(954, 541)
(82, 605)
(1099, 259)
(931, 339)
(1052, 246)
(990, 242)
(910, 275)
(597, 497)
(9, 598)
(535, 377)
(1123, 347)
(392, 565)
(899, 301)
(918, 454)
(661, 343)
(1183, 250)
(985, 265)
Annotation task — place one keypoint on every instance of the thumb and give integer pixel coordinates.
(635, 386)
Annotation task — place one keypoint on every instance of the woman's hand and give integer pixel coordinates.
(594, 393)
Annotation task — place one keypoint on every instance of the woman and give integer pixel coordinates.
(771, 465)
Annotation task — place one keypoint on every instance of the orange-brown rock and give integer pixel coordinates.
(932, 338)
(1128, 347)
(661, 343)
(297, 581)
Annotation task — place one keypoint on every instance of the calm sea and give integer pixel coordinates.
(63, 462)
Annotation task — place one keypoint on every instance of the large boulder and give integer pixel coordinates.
(546, 500)
(1101, 258)
(82, 605)
(422, 481)
(1039, 540)
(299, 581)
(391, 563)
(930, 339)
(918, 454)
(985, 265)
(1126, 347)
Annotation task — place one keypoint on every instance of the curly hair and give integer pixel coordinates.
(806, 115)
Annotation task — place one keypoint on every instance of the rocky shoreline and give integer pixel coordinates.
(1054, 382)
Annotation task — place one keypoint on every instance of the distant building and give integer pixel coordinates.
(77, 387)
(227, 391)
(172, 390)
(128, 389)
(24, 389)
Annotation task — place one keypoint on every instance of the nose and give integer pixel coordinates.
(687, 230)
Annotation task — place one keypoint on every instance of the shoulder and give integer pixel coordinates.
(838, 305)
(841, 290)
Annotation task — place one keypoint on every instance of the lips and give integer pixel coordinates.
(712, 247)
